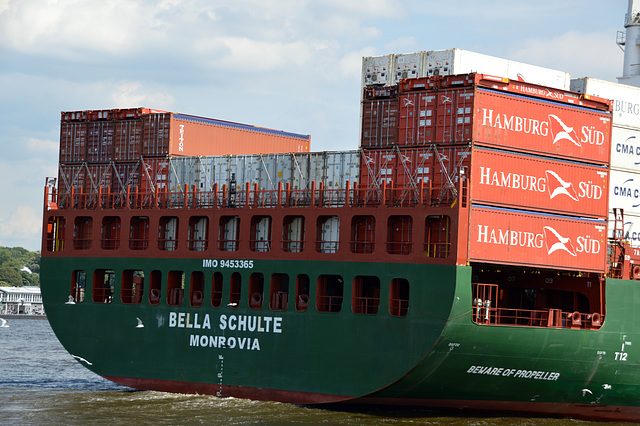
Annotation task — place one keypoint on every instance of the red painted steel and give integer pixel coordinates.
(377, 166)
(154, 173)
(125, 174)
(379, 123)
(127, 140)
(98, 175)
(537, 183)
(527, 124)
(521, 238)
(72, 176)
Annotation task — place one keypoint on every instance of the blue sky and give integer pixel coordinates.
(286, 64)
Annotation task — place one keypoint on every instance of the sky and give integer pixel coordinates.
(293, 65)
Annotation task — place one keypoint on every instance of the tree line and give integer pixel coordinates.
(12, 261)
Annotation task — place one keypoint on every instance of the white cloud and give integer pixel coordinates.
(132, 94)
(20, 226)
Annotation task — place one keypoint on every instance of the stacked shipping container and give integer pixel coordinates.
(624, 191)
(536, 160)
(114, 149)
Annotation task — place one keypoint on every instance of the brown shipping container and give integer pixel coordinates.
(125, 174)
(417, 118)
(538, 183)
(185, 135)
(377, 166)
(516, 237)
(71, 176)
(100, 138)
(128, 140)
(98, 175)
(154, 173)
(73, 142)
(379, 123)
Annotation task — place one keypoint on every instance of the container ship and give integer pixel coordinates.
(479, 251)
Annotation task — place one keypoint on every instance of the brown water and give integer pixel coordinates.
(40, 383)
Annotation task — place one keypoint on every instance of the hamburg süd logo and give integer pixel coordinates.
(558, 186)
(555, 242)
(561, 131)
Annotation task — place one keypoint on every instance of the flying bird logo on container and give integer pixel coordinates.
(557, 186)
(561, 131)
(555, 241)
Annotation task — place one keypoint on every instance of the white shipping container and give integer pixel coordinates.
(624, 192)
(625, 148)
(333, 169)
(626, 99)
(630, 228)
(456, 61)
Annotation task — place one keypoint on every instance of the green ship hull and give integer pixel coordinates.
(434, 356)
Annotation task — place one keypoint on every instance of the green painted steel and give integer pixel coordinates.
(435, 352)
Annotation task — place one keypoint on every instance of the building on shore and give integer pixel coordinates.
(21, 300)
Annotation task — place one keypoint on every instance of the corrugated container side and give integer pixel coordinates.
(156, 133)
(526, 124)
(125, 174)
(538, 183)
(415, 165)
(100, 140)
(625, 148)
(624, 191)
(73, 142)
(203, 136)
(71, 176)
(380, 123)
(626, 99)
(454, 116)
(417, 123)
(450, 163)
(128, 140)
(523, 238)
(154, 173)
(377, 166)
(98, 175)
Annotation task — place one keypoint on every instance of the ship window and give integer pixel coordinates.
(234, 289)
(399, 297)
(155, 287)
(293, 234)
(229, 234)
(132, 286)
(82, 232)
(328, 234)
(216, 290)
(363, 229)
(168, 233)
(198, 233)
(196, 289)
(365, 296)
(256, 290)
(329, 293)
(302, 292)
(175, 288)
(399, 230)
(279, 292)
(139, 233)
(103, 285)
(55, 233)
(260, 233)
(437, 238)
(110, 233)
(78, 286)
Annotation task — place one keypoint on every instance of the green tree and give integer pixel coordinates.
(11, 276)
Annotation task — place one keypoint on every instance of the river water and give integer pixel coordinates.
(40, 383)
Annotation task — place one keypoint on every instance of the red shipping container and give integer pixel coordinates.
(71, 176)
(100, 138)
(98, 175)
(527, 124)
(379, 123)
(377, 166)
(154, 173)
(125, 174)
(127, 140)
(454, 116)
(73, 142)
(417, 118)
(449, 164)
(538, 183)
(517, 237)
